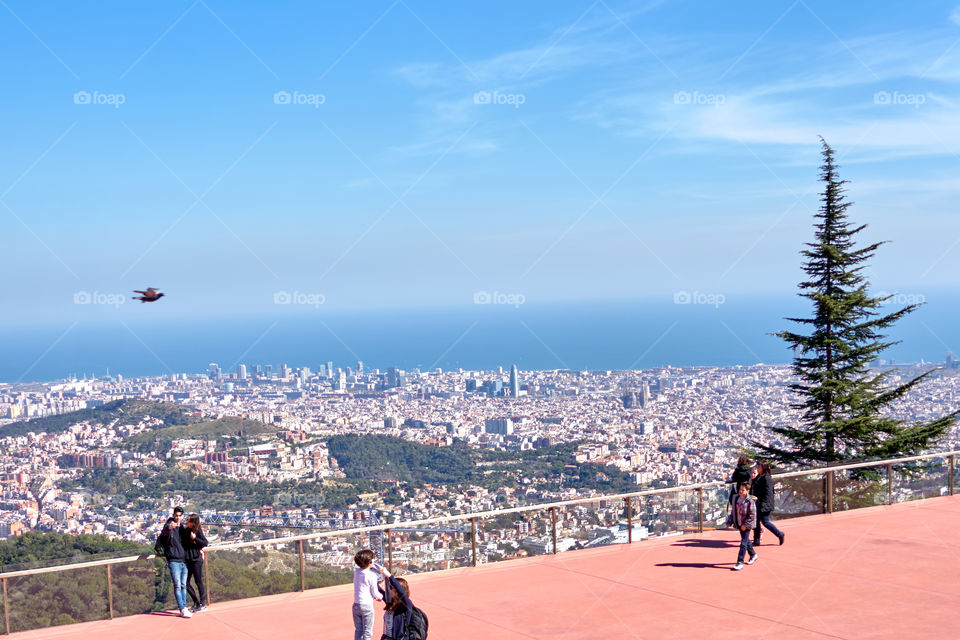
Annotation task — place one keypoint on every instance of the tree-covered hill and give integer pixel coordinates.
(226, 427)
(127, 411)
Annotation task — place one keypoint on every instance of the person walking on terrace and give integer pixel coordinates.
(364, 593)
(170, 545)
(740, 474)
(194, 542)
(745, 520)
(763, 490)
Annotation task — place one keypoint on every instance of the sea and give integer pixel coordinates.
(597, 335)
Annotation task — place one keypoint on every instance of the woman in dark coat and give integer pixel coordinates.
(193, 543)
(763, 489)
(740, 475)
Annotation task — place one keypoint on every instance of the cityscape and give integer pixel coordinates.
(654, 428)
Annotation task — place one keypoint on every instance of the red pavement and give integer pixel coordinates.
(883, 572)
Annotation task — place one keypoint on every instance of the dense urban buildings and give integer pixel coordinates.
(660, 427)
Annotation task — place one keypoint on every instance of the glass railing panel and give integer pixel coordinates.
(329, 561)
(922, 479)
(799, 496)
(669, 514)
(859, 488)
(716, 507)
(51, 599)
(136, 588)
(249, 572)
(432, 547)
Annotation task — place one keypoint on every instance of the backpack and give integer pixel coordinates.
(418, 626)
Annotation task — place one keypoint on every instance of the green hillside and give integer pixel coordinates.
(226, 427)
(127, 411)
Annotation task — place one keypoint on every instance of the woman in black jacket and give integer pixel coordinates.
(193, 543)
(740, 475)
(763, 489)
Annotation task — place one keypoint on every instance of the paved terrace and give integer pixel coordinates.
(882, 572)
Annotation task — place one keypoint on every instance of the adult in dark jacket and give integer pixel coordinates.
(763, 489)
(399, 608)
(740, 475)
(170, 544)
(194, 542)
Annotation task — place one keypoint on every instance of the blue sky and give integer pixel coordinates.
(410, 154)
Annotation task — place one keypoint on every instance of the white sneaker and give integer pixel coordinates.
(185, 613)
(753, 559)
(739, 567)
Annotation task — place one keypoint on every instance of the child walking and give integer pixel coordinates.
(364, 593)
(745, 519)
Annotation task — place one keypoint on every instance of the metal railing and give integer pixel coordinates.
(553, 508)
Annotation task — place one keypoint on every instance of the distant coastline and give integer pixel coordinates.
(594, 336)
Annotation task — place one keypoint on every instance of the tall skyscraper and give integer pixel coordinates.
(359, 367)
(213, 369)
(242, 371)
(284, 370)
(341, 383)
(330, 369)
(514, 382)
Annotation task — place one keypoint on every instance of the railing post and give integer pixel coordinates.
(473, 539)
(699, 509)
(303, 576)
(828, 492)
(553, 527)
(889, 484)
(389, 550)
(629, 520)
(950, 475)
(206, 578)
(6, 607)
(110, 590)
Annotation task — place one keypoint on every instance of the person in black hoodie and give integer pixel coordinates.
(763, 490)
(193, 544)
(170, 545)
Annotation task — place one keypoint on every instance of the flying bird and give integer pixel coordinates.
(150, 295)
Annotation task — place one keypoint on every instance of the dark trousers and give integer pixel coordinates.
(763, 519)
(745, 545)
(195, 571)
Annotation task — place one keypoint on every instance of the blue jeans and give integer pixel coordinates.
(764, 520)
(362, 622)
(745, 545)
(178, 572)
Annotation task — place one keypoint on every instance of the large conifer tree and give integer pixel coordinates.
(841, 400)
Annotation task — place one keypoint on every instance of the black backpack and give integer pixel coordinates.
(418, 626)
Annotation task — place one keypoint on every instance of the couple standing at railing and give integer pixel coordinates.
(751, 503)
(182, 545)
